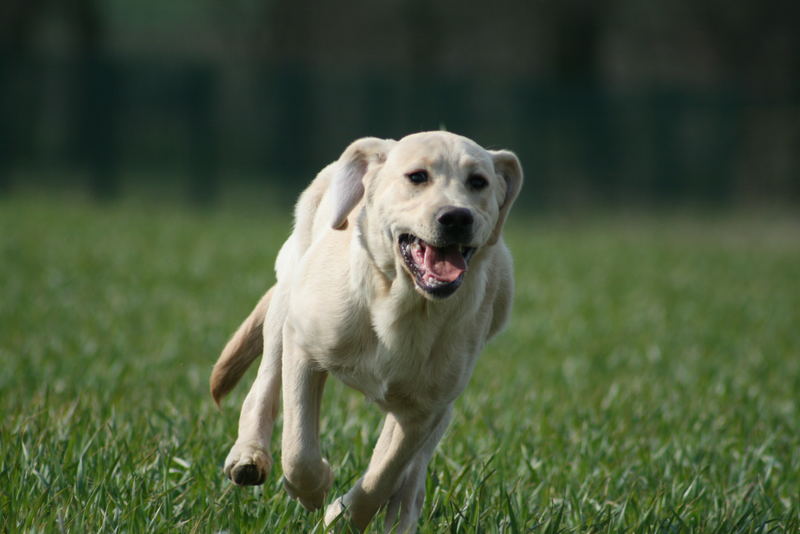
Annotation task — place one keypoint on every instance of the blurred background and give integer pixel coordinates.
(612, 102)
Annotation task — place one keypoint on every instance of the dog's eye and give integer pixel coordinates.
(418, 177)
(477, 182)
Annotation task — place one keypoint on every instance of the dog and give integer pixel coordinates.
(393, 280)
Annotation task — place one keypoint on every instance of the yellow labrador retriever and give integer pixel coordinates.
(393, 279)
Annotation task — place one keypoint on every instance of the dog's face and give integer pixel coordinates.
(438, 197)
(433, 201)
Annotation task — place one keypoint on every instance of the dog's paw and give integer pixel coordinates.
(314, 499)
(334, 511)
(247, 465)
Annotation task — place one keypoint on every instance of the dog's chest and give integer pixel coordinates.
(386, 378)
(399, 352)
(407, 366)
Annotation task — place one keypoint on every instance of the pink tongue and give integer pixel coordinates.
(446, 264)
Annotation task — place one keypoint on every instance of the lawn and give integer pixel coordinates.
(648, 382)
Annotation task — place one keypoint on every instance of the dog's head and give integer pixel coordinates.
(434, 201)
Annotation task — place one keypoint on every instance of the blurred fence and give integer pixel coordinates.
(107, 119)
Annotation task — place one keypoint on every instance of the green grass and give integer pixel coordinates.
(648, 382)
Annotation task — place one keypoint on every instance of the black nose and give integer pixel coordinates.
(455, 219)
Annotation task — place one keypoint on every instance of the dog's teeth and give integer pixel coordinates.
(432, 281)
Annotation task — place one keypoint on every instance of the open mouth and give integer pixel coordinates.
(438, 271)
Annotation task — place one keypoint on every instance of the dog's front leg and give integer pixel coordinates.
(306, 475)
(405, 506)
(249, 460)
(403, 436)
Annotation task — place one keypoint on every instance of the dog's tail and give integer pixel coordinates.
(242, 349)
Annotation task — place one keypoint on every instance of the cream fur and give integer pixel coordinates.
(345, 304)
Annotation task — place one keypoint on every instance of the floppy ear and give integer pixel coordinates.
(507, 167)
(347, 186)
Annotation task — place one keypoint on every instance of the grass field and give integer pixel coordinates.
(649, 380)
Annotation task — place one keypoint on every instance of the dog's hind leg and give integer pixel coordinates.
(249, 460)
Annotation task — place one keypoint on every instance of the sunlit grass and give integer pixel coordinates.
(648, 381)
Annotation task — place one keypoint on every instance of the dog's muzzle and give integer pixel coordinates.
(455, 224)
(436, 270)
